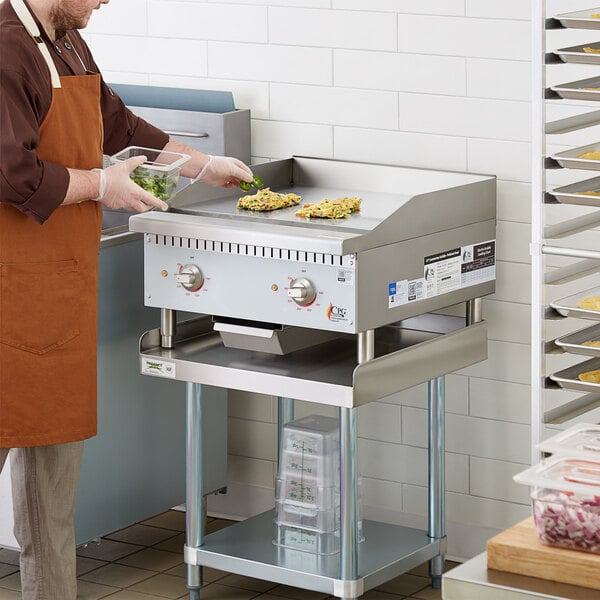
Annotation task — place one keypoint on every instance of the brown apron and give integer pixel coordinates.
(48, 287)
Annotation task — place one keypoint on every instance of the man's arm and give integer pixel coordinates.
(223, 171)
(112, 187)
(83, 185)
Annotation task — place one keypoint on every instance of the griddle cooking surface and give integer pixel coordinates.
(375, 208)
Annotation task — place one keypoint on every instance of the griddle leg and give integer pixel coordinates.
(437, 483)
(194, 495)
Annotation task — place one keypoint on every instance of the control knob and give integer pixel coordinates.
(302, 292)
(190, 277)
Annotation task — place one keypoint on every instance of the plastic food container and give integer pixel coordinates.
(310, 541)
(322, 521)
(324, 470)
(310, 451)
(159, 175)
(566, 501)
(583, 438)
(305, 540)
(313, 435)
(306, 492)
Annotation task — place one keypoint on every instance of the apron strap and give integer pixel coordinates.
(33, 30)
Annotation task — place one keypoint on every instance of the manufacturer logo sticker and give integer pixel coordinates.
(337, 313)
(160, 368)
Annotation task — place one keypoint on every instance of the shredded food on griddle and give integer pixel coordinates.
(330, 209)
(266, 200)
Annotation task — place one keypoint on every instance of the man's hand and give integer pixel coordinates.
(224, 171)
(118, 192)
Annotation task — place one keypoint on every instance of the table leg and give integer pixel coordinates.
(194, 495)
(348, 497)
(437, 483)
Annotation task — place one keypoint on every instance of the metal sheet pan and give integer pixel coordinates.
(567, 378)
(573, 343)
(579, 90)
(567, 307)
(575, 54)
(581, 19)
(570, 158)
(571, 194)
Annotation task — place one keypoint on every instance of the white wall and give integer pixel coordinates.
(426, 83)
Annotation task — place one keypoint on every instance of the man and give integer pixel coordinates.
(57, 119)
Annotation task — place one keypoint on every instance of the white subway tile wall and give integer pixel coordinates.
(442, 84)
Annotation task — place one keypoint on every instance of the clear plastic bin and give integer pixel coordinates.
(310, 541)
(306, 541)
(322, 521)
(582, 438)
(566, 501)
(159, 175)
(311, 435)
(325, 470)
(306, 492)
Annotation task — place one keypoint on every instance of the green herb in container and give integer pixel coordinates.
(159, 175)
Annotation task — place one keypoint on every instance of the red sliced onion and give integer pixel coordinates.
(568, 521)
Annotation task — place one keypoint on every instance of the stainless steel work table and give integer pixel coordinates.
(474, 581)
(401, 355)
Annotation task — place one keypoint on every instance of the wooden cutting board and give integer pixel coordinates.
(517, 550)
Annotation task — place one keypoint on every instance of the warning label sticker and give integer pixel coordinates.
(345, 276)
(446, 272)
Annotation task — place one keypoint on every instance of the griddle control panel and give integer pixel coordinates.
(259, 284)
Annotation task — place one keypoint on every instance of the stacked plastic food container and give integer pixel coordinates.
(307, 494)
(566, 489)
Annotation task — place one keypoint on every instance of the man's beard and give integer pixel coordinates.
(66, 20)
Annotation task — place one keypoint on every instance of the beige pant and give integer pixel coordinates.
(44, 489)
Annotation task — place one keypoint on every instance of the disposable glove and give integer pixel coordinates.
(118, 192)
(224, 171)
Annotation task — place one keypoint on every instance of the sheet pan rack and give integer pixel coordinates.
(582, 264)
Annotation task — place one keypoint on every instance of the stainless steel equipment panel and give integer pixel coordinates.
(223, 134)
(406, 354)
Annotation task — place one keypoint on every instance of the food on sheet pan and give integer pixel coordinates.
(590, 376)
(589, 193)
(590, 303)
(590, 50)
(265, 200)
(330, 209)
(591, 155)
(595, 16)
(593, 344)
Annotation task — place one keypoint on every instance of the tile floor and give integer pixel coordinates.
(145, 562)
